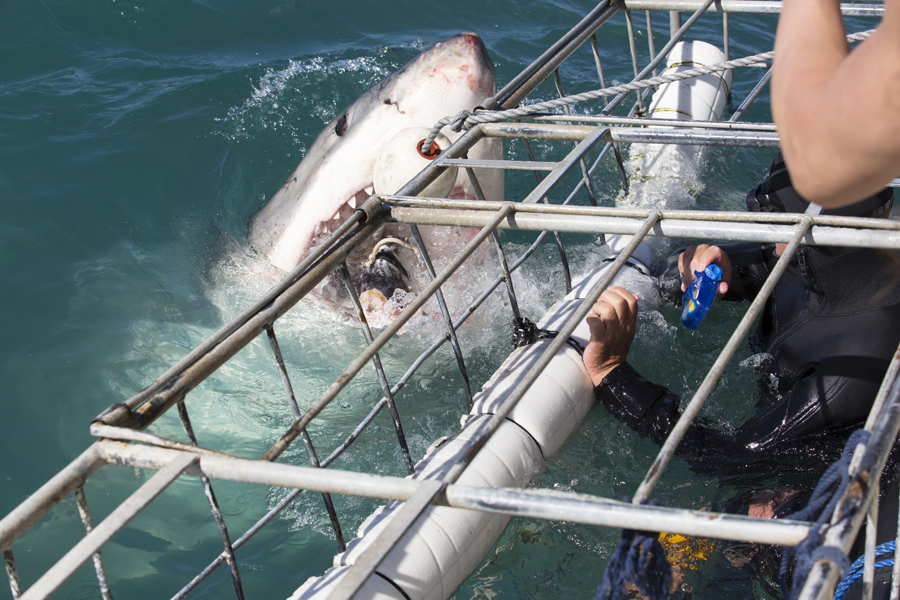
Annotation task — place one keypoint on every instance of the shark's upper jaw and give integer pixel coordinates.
(336, 174)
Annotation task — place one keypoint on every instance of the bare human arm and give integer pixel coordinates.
(838, 112)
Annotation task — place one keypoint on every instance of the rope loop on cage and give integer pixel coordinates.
(639, 559)
(525, 332)
(820, 507)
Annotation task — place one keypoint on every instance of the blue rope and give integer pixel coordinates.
(639, 559)
(856, 569)
(820, 507)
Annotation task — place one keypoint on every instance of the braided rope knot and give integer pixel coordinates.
(459, 121)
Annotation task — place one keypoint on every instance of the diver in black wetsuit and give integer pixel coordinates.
(831, 327)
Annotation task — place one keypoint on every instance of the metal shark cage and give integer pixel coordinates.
(547, 209)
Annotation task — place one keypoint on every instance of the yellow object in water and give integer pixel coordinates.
(683, 551)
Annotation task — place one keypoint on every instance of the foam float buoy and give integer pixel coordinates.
(402, 159)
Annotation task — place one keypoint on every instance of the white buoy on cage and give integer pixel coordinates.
(402, 159)
(700, 98)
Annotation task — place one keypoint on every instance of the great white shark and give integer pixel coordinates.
(336, 174)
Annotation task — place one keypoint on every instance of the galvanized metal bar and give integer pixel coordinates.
(130, 435)
(711, 216)
(448, 319)
(650, 45)
(15, 586)
(379, 370)
(715, 372)
(767, 7)
(725, 41)
(384, 337)
(674, 23)
(632, 47)
(554, 505)
(70, 478)
(557, 238)
(751, 97)
(228, 550)
(506, 165)
(596, 52)
(585, 176)
(871, 533)
(264, 472)
(507, 278)
(645, 122)
(677, 228)
(144, 415)
(307, 440)
(644, 135)
(282, 371)
(110, 526)
(85, 513)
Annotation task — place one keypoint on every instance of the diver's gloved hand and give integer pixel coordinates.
(697, 258)
(612, 323)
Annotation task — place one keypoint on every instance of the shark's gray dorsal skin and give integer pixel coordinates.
(336, 173)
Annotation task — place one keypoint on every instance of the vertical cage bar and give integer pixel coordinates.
(596, 51)
(304, 435)
(895, 575)
(379, 369)
(650, 44)
(15, 586)
(513, 301)
(88, 522)
(633, 47)
(560, 248)
(445, 313)
(214, 508)
(674, 23)
(725, 41)
(586, 177)
(871, 534)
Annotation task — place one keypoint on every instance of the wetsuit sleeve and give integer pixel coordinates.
(750, 264)
(648, 408)
(652, 410)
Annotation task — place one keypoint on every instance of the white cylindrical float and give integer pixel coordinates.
(700, 98)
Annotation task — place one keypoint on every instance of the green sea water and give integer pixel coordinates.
(136, 140)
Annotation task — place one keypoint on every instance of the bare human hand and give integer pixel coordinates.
(697, 258)
(612, 323)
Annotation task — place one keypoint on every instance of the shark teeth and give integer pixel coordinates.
(352, 202)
